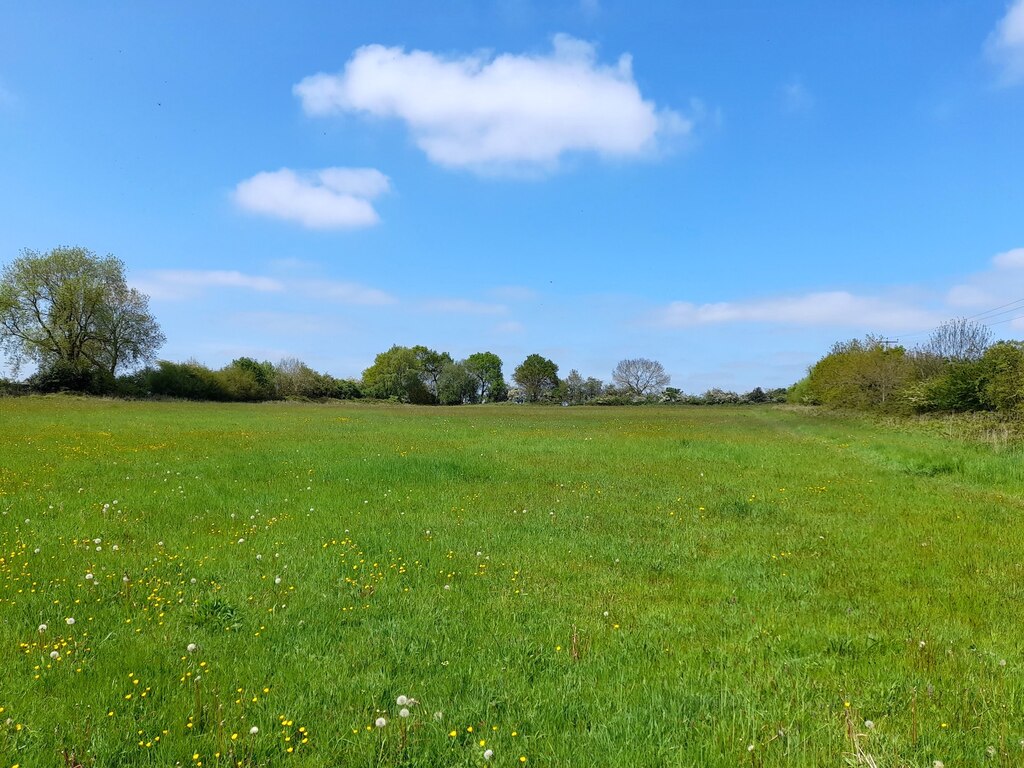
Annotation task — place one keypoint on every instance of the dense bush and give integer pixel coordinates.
(189, 380)
(64, 376)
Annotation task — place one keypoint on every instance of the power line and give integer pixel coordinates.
(982, 317)
(1001, 306)
(1008, 320)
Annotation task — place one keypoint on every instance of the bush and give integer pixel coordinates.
(63, 376)
(247, 380)
(189, 381)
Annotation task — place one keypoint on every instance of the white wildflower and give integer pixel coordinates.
(380, 722)
(402, 701)
(253, 731)
(403, 712)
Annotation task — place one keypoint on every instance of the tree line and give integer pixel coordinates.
(70, 315)
(958, 369)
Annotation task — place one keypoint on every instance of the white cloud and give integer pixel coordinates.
(503, 113)
(515, 293)
(332, 198)
(828, 308)
(510, 327)
(6, 97)
(288, 323)
(174, 284)
(796, 98)
(345, 292)
(1012, 259)
(1005, 46)
(1001, 283)
(464, 307)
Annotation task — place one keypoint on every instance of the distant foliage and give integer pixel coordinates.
(957, 370)
(537, 377)
(864, 374)
(640, 377)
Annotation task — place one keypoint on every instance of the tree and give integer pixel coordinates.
(396, 374)
(859, 374)
(574, 388)
(537, 375)
(431, 363)
(485, 368)
(1003, 375)
(71, 310)
(456, 386)
(958, 340)
(640, 377)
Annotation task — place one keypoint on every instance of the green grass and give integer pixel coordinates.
(580, 586)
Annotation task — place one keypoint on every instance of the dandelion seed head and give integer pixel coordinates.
(380, 722)
(402, 700)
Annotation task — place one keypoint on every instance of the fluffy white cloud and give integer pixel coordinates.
(332, 198)
(829, 308)
(1005, 46)
(506, 112)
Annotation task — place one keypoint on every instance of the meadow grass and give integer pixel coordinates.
(662, 586)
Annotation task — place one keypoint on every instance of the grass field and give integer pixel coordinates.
(257, 585)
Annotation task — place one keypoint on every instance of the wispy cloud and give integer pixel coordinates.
(514, 293)
(828, 308)
(1005, 46)
(345, 293)
(175, 284)
(178, 285)
(331, 198)
(510, 327)
(464, 307)
(795, 97)
(7, 99)
(288, 323)
(500, 113)
(1000, 283)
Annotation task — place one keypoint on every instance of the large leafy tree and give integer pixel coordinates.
(485, 368)
(431, 363)
(396, 374)
(537, 375)
(73, 311)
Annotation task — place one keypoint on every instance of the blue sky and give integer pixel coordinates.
(725, 187)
